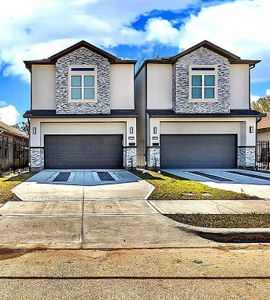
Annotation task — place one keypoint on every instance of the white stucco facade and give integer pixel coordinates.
(159, 86)
(105, 108)
(239, 81)
(122, 86)
(39, 127)
(238, 126)
(43, 87)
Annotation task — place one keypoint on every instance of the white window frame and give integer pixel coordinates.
(82, 73)
(203, 73)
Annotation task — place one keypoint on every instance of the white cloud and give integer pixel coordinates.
(9, 114)
(254, 97)
(38, 28)
(240, 26)
(162, 31)
(267, 92)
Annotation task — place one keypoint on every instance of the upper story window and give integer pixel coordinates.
(203, 83)
(82, 81)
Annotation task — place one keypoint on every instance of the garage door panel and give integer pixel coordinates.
(85, 151)
(198, 151)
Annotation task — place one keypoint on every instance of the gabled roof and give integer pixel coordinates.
(233, 59)
(206, 44)
(52, 59)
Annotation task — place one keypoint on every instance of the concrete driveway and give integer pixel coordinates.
(242, 181)
(76, 185)
(86, 209)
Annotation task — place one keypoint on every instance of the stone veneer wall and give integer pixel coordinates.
(36, 159)
(129, 157)
(246, 157)
(83, 56)
(201, 56)
(153, 157)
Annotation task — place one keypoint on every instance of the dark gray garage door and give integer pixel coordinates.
(83, 151)
(198, 151)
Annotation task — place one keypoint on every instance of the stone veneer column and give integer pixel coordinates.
(246, 157)
(36, 159)
(153, 157)
(129, 157)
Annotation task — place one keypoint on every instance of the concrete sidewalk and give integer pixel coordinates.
(211, 206)
(95, 224)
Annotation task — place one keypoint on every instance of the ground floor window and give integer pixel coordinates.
(3, 147)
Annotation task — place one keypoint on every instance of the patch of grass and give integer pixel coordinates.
(224, 220)
(7, 183)
(170, 187)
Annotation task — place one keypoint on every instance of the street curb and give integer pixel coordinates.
(230, 235)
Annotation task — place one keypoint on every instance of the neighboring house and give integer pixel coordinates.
(82, 110)
(263, 143)
(263, 129)
(194, 110)
(14, 148)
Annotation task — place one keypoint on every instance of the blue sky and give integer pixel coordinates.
(136, 29)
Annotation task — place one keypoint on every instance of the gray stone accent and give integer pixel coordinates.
(83, 56)
(36, 159)
(180, 85)
(246, 157)
(153, 157)
(129, 157)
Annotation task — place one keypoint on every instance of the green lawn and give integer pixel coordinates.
(170, 187)
(224, 220)
(7, 183)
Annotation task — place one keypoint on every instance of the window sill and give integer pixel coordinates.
(203, 100)
(82, 101)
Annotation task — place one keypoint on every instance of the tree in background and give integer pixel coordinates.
(262, 105)
(22, 126)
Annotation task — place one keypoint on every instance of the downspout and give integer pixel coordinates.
(257, 119)
(250, 68)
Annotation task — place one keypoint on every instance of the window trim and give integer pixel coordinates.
(82, 73)
(203, 73)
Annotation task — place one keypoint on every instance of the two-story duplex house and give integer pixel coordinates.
(194, 110)
(82, 110)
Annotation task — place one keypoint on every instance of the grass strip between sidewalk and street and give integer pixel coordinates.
(250, 220)
(170, 187)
